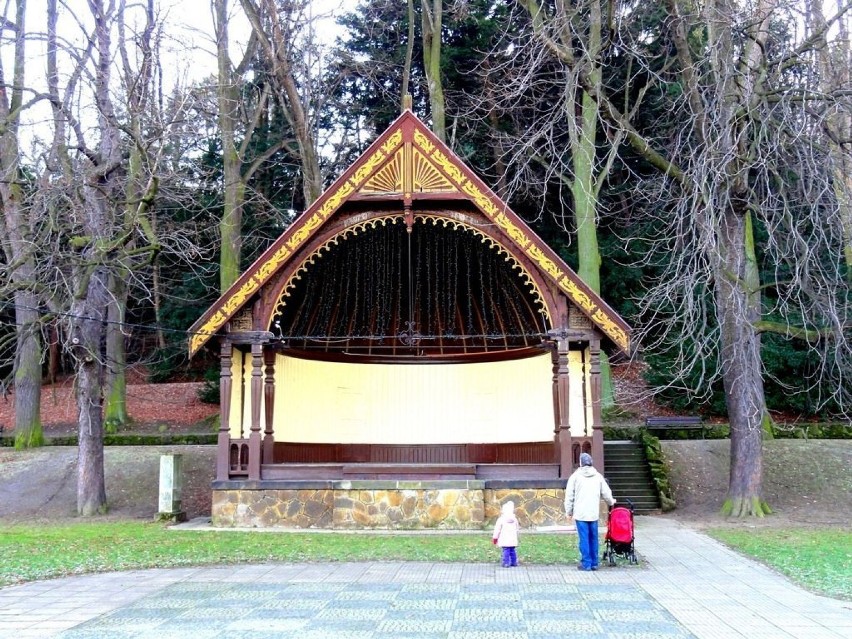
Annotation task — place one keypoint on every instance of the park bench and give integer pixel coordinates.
(690, 422)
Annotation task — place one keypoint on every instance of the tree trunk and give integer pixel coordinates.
(15, 236)
(88, 335)
(156, 295)
(230, 226)
(115, 408)
(736, 277)
(92, 298)
(738, 309)
(501, 185)
(139, 87)
(409, 54)
(432, 18)
(279, 49)
(29, 432)
(583, 191)
(584, 186)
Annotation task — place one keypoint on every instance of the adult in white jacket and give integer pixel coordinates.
(586, 487)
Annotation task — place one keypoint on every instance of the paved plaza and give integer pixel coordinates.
(686, 586)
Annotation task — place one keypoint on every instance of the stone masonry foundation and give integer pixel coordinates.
(383, 505)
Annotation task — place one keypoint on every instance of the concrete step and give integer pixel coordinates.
(637, 475)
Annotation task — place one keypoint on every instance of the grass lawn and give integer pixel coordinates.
(40, 552)
(819, 560)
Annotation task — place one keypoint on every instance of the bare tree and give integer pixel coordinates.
(750, 197)
(139, 91)
(432, 20)
(238, 114)
(565, 114)
(19, 268)
(230, 226)
(85, 190)
(744, 192)
(285, 38)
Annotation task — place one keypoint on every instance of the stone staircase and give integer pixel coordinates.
(629, 476)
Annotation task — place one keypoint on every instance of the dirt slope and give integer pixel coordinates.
(805, 482)
(41, 485)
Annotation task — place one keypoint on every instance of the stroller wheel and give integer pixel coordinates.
(611, 559)
(633, 559)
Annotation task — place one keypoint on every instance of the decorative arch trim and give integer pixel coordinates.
(408, 164)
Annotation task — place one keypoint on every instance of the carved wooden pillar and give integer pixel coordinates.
(224, 441)
(563, 385)
(554, 358)
(256, 393)
(597, 422)
(269, 406)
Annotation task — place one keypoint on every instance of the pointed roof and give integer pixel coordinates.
(408, 163)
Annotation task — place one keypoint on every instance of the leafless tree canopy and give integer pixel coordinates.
(732, 121)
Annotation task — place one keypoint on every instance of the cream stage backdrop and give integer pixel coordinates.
(509, 401)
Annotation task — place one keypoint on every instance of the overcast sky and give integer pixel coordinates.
(187, 49)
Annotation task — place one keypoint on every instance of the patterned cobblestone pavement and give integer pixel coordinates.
(388, 610)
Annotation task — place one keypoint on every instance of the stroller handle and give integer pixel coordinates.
(629, 504)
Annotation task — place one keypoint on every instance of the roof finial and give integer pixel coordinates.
(406, 102)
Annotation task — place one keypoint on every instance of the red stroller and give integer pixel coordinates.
(619, 535)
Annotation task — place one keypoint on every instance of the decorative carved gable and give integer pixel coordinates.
(408, 171)
(404, 164)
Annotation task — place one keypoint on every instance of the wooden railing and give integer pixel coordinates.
(238, 457)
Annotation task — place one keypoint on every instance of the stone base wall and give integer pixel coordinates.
(384, 507)
(535, 507)
(451, 509)
(268, 508)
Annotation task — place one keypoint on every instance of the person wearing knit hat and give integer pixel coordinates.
(586, 487)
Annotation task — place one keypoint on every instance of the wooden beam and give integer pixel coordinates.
(554, 358)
